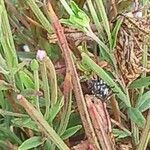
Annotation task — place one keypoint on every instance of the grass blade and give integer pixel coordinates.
(105, 21)
(31, 143)
(45, 23)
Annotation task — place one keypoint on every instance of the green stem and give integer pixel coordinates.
(135, 133)
(36, 79)
(143, 141)
(45, 88)
(51, 73)
(145, 135)
(8, 113)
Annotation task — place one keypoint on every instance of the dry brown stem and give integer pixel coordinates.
(71, 71)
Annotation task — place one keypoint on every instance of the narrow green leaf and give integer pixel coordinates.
(1, 10)
(142, 82)
(25, 122)
(3, 71)
(26, 80)
(11, 136)
(105, 20)
(74, 7)
(71, 131)
(3, 65)
(53, 80)
(31, 143)
(38, 13)
(7, 40)
(65, 116)
(46, 87)
(20, 66)
(136, 116)
(9, 113)
(144, 102)
(55, 110)
(78, 18)
(96, 19)
(120, 133)
(67, 7)
(115, 32)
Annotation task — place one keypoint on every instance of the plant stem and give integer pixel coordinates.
(144, 139)
(46, 88)
(51, 73)
(8, 113)
(134, 127)
(36, 80)
(145, 135)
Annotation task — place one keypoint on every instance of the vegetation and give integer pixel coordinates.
(51, 52)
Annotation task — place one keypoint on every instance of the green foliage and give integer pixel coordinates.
(70, 131)
(7, 40)
(26, 80)
(83, 25)
(5, 133)
(15, 73)
(78, 19)
(55, 110)
(105, 21)
(34, 65)
(31, 143)
(120, 133)
(25, 122)
(3, 66)
(115, 32)
(136, 116)
(144, 102)
(39, 14)
(39, 81)
(142, 82)
(1, 12)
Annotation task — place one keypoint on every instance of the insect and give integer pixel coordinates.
(100, 89)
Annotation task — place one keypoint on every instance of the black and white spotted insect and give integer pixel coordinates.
(100, 89)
